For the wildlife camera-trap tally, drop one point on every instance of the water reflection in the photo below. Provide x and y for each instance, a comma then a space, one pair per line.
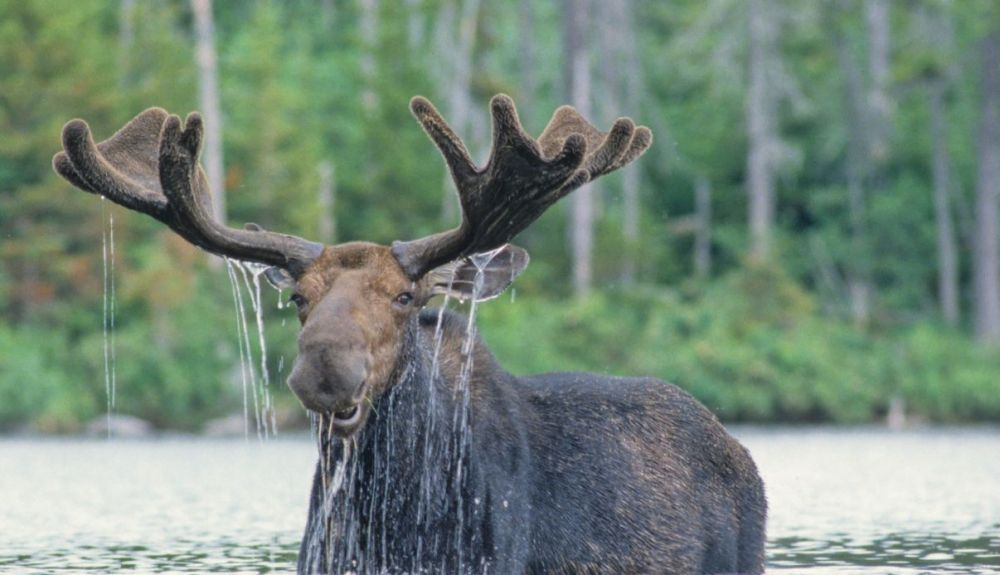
897, 553
842, 502
872, 501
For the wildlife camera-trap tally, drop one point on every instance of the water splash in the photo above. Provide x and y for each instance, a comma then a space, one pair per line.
109, 305
255, 381
352, 528
251, 275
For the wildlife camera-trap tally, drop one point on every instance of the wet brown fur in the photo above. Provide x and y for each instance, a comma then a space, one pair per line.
379, 280
602, 474
373, 279
624, 475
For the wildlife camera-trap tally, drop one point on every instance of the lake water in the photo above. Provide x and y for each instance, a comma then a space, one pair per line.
841, 502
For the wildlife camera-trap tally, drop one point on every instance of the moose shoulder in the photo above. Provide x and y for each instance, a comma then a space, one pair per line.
434, 459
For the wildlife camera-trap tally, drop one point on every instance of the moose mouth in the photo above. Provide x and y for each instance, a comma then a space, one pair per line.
347, 417
346, 422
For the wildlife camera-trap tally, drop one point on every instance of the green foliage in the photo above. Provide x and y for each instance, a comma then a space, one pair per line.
753, 348
35, 384
303, 86
946, 377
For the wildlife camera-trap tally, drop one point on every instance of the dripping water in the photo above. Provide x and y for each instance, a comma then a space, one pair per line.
338, 540
255, 381
462, 426
253, 278
238, 307
109, 305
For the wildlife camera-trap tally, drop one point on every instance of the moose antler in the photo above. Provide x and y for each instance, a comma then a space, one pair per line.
151, 166
522, 178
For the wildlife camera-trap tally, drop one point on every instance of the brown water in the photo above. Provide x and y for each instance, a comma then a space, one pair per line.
842, 502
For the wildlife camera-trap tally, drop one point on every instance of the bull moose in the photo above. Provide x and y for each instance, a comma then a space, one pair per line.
433, 458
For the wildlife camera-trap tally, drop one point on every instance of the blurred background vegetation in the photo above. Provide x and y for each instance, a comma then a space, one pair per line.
812, 237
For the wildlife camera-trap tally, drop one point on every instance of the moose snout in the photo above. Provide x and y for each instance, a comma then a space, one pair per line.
329, 375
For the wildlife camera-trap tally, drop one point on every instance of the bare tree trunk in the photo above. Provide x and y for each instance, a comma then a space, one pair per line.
368, 26
529, 54
856, 272
875, 134
327, 14
208, 95
414, 24
459, 100
126, 36
857, 283
761, 120
880, 106
604, 29
327, 198
575, 14
946, 244
630, 223
459, 97
703, 234
622, 86
986, 249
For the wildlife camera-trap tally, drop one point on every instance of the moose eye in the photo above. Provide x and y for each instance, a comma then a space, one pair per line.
404, 299
298, 300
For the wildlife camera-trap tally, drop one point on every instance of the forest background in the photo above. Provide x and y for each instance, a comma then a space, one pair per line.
812, 238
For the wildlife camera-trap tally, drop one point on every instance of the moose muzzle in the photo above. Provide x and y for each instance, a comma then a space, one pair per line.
331, 369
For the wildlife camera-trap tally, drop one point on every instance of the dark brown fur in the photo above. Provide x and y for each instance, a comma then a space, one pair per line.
556, 473
579, 473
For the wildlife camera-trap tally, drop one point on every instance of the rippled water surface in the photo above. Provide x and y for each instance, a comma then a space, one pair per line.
874, 501
842, 502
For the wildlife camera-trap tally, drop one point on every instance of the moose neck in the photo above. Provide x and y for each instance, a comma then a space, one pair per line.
410, 486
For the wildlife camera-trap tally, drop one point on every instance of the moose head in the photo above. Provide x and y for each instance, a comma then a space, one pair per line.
355, 300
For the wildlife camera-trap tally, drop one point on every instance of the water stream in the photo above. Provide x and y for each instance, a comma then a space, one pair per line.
256, 381
109, 304
360, 475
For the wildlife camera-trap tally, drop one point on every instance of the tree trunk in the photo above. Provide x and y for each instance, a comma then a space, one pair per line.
459, 97
946, 245
875, 134
126, 37
856, 268
703, 235
577, 79
529, 56
879, 104
986, 252
414, 24
368, 26
327, 198
761, 129
630, 177
208, 95
327, 14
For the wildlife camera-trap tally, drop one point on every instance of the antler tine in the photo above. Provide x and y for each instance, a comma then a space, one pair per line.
151, 166
448, 143
92, 167
522, 178
499, 200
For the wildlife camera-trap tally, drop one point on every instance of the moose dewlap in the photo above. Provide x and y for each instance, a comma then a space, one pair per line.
433, 458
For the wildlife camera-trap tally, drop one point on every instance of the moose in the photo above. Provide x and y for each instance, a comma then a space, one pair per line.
433, 458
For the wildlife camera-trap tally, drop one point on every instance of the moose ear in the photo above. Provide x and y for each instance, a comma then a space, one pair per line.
278, 278
479, 277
